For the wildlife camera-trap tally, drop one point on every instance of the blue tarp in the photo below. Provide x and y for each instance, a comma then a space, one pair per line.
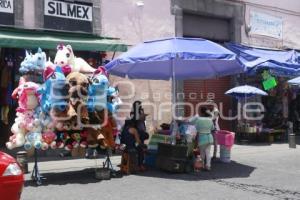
280, 63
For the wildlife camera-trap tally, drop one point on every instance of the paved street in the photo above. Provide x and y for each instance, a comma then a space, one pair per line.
257, 172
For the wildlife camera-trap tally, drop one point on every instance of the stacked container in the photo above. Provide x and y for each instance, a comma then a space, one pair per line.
226, 140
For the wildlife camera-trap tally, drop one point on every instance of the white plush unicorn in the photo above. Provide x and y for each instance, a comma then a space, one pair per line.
65, 57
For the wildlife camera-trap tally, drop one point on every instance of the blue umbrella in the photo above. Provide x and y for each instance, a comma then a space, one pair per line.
294, 81
175, 58
245, 91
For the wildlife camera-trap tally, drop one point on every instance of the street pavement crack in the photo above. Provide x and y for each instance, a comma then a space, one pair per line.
260, 189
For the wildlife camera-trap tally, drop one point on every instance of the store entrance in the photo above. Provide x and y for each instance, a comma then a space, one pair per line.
216, 30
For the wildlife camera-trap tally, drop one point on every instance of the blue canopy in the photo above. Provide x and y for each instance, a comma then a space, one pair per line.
281, 63
294, 81
175, 58
245, 91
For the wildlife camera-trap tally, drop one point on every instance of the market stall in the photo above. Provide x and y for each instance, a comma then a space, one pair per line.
73, 106
271, 69
175, 59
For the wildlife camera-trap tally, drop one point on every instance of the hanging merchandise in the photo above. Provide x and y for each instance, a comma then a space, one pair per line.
269, 81
33, 62
61, 112
65, 58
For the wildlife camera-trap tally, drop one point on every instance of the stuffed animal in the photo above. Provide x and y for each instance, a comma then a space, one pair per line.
27, 95
54, 92
18, 137
33, 139
83, 139
33, 63
65, 57
27, 64
40, 60
78, 93
26, 121
48, 138
97, 93
60, 139
114, 101
72, 142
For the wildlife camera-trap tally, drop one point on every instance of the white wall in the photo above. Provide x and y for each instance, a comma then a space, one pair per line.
133, 24
290, 5
287, 10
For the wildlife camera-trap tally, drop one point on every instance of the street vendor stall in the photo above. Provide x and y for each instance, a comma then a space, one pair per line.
72, 107
175, 59
271, 69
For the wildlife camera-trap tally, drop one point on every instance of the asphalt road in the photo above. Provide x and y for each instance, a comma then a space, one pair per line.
256, 172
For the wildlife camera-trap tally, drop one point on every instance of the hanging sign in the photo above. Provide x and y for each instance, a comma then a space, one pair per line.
7, 16
7, 6
68, 10
70, 16
265, 25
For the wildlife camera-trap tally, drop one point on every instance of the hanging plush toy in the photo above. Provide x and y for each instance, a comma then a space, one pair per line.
65, 58
18, 137
97, 93
78, 93
54, 92
83, 139
27, 96
114, 101
48, 138
33, 139
27, 64
33, 63
72, 142
40, 60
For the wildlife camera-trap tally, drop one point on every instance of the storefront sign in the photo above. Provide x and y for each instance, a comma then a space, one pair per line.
70, 16
265, 25
7, 12
7, 6
68, 10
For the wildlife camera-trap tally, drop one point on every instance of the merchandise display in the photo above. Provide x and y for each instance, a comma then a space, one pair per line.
62, 111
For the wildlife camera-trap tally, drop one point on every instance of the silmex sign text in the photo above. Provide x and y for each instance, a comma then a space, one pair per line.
68, 16
68, 10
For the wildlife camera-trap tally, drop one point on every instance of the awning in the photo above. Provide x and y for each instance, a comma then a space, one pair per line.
279, 62
24, 38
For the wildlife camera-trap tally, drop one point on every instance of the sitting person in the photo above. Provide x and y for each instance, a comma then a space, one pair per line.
131, 138
138, 115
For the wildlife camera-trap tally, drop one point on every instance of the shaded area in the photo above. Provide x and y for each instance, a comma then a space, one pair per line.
219, 171
84, 176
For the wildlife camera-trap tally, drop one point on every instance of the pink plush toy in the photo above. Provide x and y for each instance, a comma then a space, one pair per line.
48, 138
65, 58
28, 100
27, 95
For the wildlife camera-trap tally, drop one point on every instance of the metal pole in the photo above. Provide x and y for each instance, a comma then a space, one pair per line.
291, 136
174, 127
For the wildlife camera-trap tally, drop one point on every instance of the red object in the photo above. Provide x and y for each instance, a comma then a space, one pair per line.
225, 138
101, 70
11, 186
